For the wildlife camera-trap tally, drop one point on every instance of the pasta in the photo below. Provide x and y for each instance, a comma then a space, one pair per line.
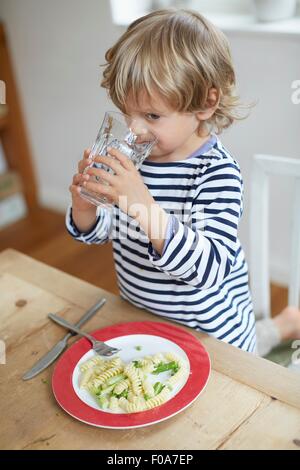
131, 396
133, 376
113, 403
180, 375
91, 363
135, 386
148, 388
157, 358
86, 376
159, 399
170, 356
106, 375
121, 387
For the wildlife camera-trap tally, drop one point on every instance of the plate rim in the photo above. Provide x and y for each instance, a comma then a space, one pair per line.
83, 346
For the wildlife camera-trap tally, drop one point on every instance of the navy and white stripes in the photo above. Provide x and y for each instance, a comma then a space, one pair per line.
201, 279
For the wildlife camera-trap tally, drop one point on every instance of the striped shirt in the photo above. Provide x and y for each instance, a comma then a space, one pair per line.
201, 277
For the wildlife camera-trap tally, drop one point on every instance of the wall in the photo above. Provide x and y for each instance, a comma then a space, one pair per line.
266, 67
57, 47
217, 6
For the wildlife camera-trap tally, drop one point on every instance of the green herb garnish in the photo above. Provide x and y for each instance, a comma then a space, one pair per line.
158, 387
137, 364
123, 394
163, 367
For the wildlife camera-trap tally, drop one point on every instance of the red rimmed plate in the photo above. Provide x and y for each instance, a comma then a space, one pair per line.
136, 339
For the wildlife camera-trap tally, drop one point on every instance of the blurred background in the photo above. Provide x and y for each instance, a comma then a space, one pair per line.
50, 60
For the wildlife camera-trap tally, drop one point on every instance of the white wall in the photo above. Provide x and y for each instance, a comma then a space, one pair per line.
217, 6
266, 67
57, 47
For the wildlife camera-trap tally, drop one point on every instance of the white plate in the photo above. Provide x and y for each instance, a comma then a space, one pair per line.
150, 345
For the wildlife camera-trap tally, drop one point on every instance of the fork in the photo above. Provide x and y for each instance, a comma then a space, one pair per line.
99, 347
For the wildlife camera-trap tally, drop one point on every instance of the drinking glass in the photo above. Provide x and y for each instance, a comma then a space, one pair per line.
128, 136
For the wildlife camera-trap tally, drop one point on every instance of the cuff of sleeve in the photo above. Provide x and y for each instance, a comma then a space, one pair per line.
173, 233
170, 230
72, 227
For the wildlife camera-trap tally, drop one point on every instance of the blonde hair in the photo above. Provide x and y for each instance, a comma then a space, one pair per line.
179, 55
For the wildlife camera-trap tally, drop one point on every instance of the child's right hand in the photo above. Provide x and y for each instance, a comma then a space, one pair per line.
78, 203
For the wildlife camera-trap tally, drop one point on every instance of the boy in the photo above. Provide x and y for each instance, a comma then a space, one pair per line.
180, 257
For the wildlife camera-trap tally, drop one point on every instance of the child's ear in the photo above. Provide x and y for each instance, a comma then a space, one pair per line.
212, 103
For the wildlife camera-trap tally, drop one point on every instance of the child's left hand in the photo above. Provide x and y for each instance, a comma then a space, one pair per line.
126, 187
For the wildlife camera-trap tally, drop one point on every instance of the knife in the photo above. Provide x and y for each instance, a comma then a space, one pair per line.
56, 351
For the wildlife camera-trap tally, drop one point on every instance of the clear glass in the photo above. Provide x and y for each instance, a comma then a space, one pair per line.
120, 132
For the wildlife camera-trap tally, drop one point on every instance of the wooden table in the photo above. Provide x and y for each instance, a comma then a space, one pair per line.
249, 403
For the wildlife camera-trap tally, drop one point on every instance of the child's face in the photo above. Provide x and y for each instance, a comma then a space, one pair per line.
176, 132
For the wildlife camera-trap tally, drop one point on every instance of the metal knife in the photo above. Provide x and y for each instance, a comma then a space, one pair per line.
53, 354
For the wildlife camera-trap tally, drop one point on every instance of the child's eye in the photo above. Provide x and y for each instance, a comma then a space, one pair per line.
152, 117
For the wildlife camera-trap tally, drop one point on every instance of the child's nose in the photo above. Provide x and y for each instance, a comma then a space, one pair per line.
138, 127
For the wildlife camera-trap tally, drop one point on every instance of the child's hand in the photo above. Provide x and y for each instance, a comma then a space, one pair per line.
126, 187
78, 203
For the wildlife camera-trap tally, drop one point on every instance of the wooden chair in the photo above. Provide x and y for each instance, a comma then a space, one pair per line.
263, 167
12, 129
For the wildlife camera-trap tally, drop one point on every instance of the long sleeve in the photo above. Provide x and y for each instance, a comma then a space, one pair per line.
98, 234
202, 250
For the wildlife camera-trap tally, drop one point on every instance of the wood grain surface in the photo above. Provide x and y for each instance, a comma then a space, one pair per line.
249, 403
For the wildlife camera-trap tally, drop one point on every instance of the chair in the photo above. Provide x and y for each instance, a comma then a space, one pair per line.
264, 166
13, 130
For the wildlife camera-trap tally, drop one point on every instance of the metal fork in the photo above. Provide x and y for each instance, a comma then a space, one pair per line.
99, 347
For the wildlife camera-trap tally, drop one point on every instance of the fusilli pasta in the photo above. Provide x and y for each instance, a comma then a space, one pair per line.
135, 386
